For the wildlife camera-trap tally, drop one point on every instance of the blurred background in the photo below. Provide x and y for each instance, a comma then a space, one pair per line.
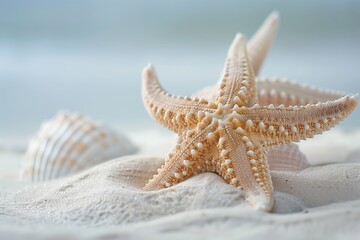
87, 56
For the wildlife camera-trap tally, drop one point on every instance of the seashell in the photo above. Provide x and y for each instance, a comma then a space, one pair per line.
287, 158
69, 143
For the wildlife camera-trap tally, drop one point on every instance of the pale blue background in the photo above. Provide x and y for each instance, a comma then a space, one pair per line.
87, 56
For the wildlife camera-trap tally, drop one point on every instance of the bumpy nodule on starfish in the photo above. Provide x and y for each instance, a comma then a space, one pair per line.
230, 134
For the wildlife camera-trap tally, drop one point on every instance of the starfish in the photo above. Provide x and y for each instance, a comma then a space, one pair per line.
231, 133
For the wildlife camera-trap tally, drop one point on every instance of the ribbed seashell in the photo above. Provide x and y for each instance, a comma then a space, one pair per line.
287, 158
69, 143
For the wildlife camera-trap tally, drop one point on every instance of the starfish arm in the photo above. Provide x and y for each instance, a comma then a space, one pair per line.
279, 91
260, 43
244, 166
277, 126
172, 112
238, 82
187, 159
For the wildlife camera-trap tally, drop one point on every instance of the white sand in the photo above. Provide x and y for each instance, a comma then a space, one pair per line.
107, 202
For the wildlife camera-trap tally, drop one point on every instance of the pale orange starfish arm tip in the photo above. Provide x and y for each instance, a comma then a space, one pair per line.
260, 43
171, 111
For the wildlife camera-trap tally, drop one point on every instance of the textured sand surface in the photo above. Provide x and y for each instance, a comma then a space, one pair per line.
107, 202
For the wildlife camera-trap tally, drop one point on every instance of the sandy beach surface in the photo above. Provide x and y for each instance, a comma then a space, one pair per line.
107, 201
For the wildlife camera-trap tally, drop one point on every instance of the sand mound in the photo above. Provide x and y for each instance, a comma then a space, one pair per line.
108, 198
